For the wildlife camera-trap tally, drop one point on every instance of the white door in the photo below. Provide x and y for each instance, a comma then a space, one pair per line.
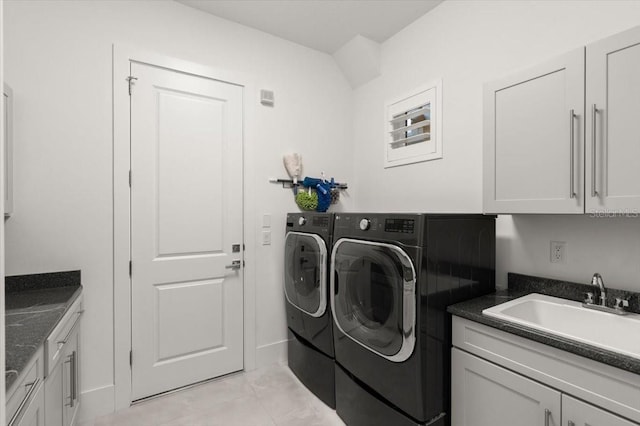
186, 217
483, 394
613, 99
533, 143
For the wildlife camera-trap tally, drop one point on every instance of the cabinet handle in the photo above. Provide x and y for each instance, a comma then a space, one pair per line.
72, 379
70, 397
75, 376
594, 113
547, 417
20, 411
572, 116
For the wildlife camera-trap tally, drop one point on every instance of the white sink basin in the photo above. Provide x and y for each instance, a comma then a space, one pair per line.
566, 318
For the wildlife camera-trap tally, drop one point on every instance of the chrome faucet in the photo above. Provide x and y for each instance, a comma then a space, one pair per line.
597, 281
589, 301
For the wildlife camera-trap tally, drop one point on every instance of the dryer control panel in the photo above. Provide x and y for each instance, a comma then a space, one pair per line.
405, 226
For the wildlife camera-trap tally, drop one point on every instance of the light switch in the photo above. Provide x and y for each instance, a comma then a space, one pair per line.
266, 221
266, 238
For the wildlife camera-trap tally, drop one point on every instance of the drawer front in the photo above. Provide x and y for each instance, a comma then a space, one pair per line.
24, 388
54, 346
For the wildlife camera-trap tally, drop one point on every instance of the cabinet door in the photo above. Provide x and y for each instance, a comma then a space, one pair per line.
483, 394
71, 378
578, 413
34, 413
54, 397
533, 142
613, 124
61, 385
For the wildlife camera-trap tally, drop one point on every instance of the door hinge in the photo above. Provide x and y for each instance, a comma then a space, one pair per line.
130, 358
130, 80
130, 269
129, 178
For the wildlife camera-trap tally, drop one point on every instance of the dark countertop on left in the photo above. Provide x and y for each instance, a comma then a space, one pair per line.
34, 304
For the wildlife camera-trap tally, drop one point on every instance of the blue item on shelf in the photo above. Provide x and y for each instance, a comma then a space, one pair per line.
323, 188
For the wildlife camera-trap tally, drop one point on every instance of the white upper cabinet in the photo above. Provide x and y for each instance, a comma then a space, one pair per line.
564, 136
533, 141
613, 124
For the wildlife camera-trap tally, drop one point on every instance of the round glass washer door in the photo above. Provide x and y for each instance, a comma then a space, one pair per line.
373, 296
305, 266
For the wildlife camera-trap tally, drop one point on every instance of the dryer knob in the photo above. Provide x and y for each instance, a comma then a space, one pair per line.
301, 221
365, 224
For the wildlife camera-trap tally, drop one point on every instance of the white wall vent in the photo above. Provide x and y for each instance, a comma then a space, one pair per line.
414, 127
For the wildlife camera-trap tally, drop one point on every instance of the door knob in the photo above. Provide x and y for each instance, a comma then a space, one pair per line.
235, 265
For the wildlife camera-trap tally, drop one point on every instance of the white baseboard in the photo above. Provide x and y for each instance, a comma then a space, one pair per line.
271, 354
96, 403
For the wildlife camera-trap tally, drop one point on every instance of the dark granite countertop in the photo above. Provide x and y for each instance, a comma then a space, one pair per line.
34, 304
521, 285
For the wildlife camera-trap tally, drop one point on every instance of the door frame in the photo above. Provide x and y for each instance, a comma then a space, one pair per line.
122, 55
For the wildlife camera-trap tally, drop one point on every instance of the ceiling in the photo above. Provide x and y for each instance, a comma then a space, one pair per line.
324, 25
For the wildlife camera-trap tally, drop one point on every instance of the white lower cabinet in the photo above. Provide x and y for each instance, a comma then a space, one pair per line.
46, 393
34, 413
25, 398
578, 413
484, 394
61, 384
498, 379
53, 395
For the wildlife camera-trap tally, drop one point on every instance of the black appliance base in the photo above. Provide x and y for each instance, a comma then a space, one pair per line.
314, 369
357, 407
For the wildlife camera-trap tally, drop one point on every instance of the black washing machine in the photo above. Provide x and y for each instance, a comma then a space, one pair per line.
306, 288
392, 278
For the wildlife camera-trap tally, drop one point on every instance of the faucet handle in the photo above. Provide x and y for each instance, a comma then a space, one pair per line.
621, 303
588, 298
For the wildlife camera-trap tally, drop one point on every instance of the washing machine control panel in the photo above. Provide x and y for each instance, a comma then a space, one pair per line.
321, 221
302, 221
365, 224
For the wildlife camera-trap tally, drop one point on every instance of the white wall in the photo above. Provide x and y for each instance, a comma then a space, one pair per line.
58, 60
610, 246
467, 43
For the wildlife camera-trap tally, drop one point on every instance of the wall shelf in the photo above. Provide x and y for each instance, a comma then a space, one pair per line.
288, 183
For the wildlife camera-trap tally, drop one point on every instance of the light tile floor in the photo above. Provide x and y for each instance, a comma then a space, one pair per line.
270, 396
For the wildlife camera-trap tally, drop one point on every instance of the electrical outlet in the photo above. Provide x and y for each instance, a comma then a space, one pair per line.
558, 251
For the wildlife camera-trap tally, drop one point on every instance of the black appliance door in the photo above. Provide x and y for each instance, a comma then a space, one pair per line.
373, 296
305, 266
